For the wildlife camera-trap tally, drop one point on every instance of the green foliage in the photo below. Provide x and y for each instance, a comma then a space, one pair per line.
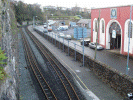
0, 28
58, 12
2, 57
14, 26
2, 73
25, 12
21, 98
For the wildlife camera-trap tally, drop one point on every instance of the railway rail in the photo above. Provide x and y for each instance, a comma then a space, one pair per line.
57, 67
49, 94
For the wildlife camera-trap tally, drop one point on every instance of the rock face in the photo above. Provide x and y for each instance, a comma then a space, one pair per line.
8, 43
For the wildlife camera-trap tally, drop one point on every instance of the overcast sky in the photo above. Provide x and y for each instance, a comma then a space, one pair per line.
81, 3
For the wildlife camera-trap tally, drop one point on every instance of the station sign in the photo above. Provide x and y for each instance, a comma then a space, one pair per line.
113, 34
113, 13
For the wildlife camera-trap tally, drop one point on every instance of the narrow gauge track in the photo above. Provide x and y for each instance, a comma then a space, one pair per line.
57, 68
30, 57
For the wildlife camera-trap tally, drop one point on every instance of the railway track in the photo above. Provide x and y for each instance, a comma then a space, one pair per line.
49, 94
51, 62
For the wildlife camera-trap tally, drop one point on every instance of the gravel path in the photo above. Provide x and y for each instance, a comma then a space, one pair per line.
26, 87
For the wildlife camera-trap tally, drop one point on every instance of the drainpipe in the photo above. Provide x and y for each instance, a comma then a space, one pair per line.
97, 34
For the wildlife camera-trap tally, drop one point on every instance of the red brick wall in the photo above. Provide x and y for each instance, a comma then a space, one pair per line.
123, 13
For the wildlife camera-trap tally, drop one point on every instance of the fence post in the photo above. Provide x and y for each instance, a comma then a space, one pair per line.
52, 37
55, 39
75, 50
63, 44
59, 43
68, 47
47, 36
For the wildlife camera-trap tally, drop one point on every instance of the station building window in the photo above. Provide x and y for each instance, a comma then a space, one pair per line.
130, 32
96, 26
103, 28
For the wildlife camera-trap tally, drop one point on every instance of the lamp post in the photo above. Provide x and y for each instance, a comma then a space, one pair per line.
34, 21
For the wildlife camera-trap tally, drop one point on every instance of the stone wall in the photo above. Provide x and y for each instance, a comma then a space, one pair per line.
8, 86
120, 82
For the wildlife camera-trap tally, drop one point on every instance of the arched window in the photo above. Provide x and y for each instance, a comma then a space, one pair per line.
95, 25
102, 26
130, 32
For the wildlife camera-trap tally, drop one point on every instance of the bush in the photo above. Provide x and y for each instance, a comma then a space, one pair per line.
2, 57
2, 73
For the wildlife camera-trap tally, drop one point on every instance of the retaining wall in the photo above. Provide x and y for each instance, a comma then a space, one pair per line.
120, 82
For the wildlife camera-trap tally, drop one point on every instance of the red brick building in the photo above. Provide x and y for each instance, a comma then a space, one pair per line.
113, 28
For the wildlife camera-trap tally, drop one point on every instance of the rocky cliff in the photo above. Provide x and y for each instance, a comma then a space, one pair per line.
9, 43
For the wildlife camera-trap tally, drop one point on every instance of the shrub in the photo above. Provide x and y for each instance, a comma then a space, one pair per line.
2, 57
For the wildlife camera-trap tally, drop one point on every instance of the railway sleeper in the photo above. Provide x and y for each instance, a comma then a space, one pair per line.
59, 82
48, 93
50, 97
62, 78
46, 89
40, 77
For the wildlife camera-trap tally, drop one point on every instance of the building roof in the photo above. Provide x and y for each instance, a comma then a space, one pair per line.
111, 7
84, 21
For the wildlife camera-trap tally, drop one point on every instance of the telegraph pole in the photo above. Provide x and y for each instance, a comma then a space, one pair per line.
34, 21
47, 22
129, 40
97, 34
83, 43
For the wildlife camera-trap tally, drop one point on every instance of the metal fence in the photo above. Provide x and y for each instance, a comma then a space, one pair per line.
66, 42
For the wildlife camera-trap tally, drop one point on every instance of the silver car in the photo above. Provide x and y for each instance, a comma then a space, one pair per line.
61, 35
93, 45
68, 37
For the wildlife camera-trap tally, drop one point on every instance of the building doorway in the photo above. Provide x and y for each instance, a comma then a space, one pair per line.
115, 42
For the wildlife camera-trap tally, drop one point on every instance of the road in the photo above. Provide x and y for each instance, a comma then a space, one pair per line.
116, 61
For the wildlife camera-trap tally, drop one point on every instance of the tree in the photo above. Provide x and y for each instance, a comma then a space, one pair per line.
25, 12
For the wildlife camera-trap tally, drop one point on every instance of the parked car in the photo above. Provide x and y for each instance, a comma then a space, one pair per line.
45, 26
60, 29
93, 45
68, 37
86, 42
61, 35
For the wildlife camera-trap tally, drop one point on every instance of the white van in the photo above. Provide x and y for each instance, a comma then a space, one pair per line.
62, 28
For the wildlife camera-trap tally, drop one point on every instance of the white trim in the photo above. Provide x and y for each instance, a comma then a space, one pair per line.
94, 33
102, 35
108, 35
126, 37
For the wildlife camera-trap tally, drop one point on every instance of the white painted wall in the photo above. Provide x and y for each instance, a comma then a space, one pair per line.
102, 35
94, 33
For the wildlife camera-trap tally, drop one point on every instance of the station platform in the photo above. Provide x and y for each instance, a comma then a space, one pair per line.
88, 82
